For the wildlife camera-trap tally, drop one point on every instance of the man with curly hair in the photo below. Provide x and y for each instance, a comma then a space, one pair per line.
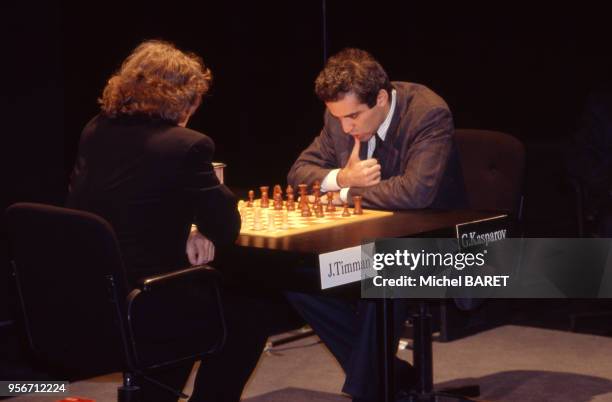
391, 143
140, 168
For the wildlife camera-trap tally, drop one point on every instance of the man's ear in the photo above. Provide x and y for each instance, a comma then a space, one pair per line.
382, 98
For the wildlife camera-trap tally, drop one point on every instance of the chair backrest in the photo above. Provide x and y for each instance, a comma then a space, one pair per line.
63, 260
493, 165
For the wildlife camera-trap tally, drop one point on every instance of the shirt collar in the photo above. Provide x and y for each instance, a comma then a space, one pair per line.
384, 127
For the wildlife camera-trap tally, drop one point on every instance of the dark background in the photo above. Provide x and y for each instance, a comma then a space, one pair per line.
523, 71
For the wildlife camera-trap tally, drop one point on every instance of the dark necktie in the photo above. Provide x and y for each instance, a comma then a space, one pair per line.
378, 150
363, 150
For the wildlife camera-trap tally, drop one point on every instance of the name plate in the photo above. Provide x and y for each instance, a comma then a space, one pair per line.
482, 232
344, 266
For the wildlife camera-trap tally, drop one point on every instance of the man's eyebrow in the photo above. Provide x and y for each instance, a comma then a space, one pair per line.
354, 114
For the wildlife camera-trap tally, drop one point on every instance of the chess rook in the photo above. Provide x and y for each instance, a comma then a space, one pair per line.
357, 205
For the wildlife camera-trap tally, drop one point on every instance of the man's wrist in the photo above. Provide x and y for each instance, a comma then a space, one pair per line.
340, 178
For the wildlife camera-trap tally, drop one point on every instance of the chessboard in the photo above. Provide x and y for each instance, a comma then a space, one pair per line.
281, 223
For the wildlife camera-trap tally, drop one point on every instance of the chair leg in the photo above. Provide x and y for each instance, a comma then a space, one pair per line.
305, 332
422, 351
423, 363
128, 392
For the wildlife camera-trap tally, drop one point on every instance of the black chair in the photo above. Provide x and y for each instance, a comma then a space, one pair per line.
493, 165
81, 316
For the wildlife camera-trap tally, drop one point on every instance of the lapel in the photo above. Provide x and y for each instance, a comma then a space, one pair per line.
388, 155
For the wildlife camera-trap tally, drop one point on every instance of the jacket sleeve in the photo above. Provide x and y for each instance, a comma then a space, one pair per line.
214, 205
426, 159
316, 161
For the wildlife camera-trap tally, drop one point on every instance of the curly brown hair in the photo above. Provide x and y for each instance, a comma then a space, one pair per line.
352, 70
156, 80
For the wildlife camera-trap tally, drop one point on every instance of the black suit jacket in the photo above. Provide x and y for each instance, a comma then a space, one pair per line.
151, 180
419, 159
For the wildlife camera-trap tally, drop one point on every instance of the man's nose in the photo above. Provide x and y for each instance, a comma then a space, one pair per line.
347, 126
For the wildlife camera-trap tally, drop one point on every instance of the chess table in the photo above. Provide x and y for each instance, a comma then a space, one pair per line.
291, 261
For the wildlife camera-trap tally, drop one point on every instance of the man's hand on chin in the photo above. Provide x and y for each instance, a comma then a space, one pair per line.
358, 173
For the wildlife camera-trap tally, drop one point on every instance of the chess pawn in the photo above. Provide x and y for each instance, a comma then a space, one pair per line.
265, 202
345, 211
357, 205
330, 202
289, 190
278, 201
316, 189
251, 198
290, 202
319, 211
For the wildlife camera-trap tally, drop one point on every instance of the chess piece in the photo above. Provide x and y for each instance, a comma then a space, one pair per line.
290, 202
345, 211
317, 200
278, 201
330, 202
290, 198
265, 202
316, 189
306, 210
357, 205
251, 198
303, 188
319, 211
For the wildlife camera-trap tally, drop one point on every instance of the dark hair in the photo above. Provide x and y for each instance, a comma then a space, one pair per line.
352, 70
156, 80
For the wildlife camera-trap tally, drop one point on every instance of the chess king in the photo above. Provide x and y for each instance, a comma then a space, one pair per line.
391, 143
